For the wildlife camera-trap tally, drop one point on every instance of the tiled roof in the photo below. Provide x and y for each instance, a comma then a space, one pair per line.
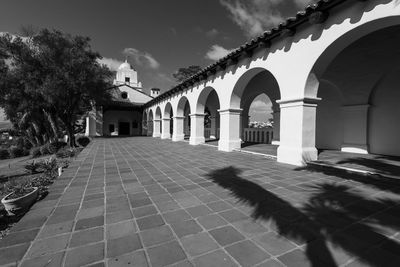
315, 13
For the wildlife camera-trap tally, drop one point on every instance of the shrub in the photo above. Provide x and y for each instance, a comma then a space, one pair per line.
55, 146
49, 166
67, 152
44, 150
32, 167
35, 152
18, 187
27, 144
4, 154
83, 141
15, 152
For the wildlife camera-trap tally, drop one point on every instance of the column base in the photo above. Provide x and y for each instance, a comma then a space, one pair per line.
176, 138
275, 142
229, 145
166, 136
156, 135
213, 137
353, 148
296, 156
197, 140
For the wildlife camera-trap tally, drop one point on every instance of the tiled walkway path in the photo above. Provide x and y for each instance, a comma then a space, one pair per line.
151, 202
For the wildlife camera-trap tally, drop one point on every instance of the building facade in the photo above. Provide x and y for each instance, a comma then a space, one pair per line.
332, 74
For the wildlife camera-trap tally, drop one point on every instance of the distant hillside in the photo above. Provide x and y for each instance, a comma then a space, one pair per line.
5, 125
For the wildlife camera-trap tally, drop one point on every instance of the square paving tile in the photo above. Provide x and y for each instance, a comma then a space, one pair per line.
214, 259
198, 244
177, 215
166, 254
226, 235
122, 245
211, 221
150, 222
198, 211
84, 237
13, 254
247, 253
134, 259
157, 235
183, 228
84, 255
48, 245
274, 244
52, 260
89, 223
144, 211
18, 238
120, 229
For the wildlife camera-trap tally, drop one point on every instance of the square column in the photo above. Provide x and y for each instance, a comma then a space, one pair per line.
297, 135
165, 133
276, 127
178, 134
355, 129
230, 126
94, 117
197, 129
156, 128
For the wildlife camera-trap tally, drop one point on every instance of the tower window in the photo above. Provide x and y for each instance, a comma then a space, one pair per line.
127, 79
124, 95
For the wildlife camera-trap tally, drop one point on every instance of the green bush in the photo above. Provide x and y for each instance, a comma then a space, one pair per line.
15, 152
67, 152
83, 141
44, 150
4, 154
35, 152
55, 146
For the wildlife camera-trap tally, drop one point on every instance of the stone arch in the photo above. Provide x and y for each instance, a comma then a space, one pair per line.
202, 99
338, 45
182, 103
251, 84
362, 64
168, 113
158, 113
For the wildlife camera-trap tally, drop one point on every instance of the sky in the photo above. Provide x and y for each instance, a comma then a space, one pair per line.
157, 36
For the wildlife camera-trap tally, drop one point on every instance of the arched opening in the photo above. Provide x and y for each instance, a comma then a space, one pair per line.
150, 123
183, 123
358, 83
205, 120
167, 123
259, 122
256, 93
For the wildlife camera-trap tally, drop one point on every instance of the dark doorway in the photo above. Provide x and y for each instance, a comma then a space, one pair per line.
123, 128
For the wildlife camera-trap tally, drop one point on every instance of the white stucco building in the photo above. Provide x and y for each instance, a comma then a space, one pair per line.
123, 116
332, 74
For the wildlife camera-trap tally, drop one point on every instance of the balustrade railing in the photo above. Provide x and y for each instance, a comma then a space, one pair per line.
258, 135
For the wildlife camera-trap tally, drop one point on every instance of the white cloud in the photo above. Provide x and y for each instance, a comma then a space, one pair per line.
212, 33
254, 16
111, 63
216, 52
140, 58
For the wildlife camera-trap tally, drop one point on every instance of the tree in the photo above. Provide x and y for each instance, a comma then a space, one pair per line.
52, 81
184, 73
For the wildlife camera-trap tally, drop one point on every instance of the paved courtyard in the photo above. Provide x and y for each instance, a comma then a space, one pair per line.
149, 202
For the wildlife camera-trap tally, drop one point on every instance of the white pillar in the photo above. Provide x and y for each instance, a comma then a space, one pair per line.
149, 128
178, 133
156, 127
196, 129
90, 126
355, 122
276, 127
229, 129
297, 139
165, 132
99, 121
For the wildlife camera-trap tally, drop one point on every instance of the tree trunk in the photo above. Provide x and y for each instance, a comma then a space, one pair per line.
71, 136
52, 124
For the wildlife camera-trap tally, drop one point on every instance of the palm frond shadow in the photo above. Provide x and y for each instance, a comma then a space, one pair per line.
334, 214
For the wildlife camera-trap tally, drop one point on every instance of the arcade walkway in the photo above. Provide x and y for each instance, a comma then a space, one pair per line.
148, 202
